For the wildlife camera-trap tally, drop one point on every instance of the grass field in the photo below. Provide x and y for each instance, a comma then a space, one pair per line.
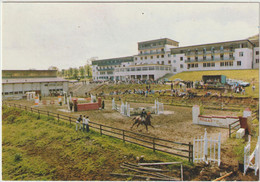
45, 149
245, 75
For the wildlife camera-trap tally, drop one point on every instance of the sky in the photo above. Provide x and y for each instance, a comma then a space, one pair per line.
40, 35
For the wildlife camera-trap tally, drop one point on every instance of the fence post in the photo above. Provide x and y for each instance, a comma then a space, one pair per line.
39, 113
31, 110
229, 132
25, 108
101, 129
58, 117
124, 136
205, 152
190, 152
20, 106
70, 120
153, 144
48, 113
219, 146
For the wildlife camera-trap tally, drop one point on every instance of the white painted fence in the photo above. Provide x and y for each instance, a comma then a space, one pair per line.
207, 150
248, 158
125, 109
93, 98
158, 107
114, 105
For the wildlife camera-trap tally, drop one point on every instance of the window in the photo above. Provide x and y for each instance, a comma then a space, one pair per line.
240, 54
204, 64
212, 65
192, 65
181, 65
151, 57
158, 56
169, 61
256, 52
256, 60
162, 50
169, 55
174, 69
212, 57
162, 56
222, 63
208, 64
141, 58
231, 55
204, 58
204, 50
188, 59
158, 62
196, 58
141, 52
135, 58
196, 65
221, 56
174, 61
188, 66
163, 62
181, 58
238, 63
145, 57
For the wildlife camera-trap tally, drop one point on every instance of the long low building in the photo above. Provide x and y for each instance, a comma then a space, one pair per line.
15, 83
159, 57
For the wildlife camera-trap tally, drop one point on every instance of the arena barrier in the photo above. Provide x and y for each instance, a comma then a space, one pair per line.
207, 150
248, 159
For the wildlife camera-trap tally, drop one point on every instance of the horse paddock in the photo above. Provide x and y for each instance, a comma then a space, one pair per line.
175, 124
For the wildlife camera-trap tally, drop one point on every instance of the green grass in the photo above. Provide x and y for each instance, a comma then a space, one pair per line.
245, 75
45, 149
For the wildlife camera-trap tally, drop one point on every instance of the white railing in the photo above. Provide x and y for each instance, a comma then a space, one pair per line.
158, 107
249, 158
207, 150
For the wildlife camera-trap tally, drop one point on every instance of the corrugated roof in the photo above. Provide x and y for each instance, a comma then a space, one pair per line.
33, 80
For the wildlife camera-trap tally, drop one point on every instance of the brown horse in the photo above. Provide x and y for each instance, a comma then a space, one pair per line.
146, 122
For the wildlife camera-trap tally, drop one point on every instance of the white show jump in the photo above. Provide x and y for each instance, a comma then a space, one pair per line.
207, 150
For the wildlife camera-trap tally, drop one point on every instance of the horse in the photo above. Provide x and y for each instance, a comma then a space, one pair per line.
146, 122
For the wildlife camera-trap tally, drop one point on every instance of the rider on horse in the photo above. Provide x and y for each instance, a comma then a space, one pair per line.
143, 115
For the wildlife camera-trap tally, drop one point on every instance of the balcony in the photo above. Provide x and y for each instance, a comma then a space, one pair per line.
210, 60
106, 69
150, 53
209, 52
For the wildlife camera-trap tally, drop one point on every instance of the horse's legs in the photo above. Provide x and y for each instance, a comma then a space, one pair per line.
146, 127
134, 124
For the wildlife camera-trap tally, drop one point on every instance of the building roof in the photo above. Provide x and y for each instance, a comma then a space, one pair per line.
113, 61
32, 80
155, 40
209, 44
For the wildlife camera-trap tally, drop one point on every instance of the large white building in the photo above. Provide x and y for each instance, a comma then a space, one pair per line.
159, 57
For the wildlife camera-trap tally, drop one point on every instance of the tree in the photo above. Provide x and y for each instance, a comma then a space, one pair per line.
75, 73
70, 72
81, 71
88, 67
53, 68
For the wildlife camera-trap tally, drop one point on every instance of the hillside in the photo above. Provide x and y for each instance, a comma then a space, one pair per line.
45, 149
245, 75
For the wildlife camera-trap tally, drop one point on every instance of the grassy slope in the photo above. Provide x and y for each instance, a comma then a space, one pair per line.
245, 75
44, 149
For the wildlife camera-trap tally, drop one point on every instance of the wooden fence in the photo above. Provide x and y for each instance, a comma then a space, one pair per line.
233, 126
184, 150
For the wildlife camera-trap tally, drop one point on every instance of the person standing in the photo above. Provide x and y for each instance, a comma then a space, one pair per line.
78, 124
87, 123
84, 123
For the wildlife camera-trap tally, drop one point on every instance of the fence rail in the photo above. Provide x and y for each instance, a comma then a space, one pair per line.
233, 126
184, 150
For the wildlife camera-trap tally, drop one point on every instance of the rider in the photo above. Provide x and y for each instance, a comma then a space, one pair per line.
143, 115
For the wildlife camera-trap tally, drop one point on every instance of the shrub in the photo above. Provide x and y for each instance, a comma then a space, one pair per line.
11, 119
17, 157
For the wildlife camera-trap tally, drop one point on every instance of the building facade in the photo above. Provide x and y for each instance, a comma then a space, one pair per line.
159, 57
15, 83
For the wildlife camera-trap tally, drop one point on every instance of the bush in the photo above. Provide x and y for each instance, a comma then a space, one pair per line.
11, 119
17, 157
